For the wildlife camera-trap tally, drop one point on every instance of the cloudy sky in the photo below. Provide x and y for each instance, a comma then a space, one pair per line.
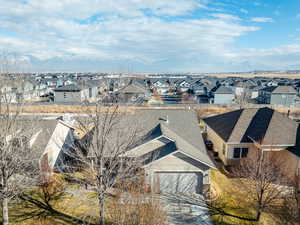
151, 35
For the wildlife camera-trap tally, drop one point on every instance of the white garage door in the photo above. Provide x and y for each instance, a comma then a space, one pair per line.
180, 182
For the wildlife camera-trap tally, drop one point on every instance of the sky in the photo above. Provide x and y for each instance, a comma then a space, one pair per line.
150, 35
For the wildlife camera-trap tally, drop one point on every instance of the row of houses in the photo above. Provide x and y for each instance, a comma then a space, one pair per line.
168, 90
200, 90
178, 143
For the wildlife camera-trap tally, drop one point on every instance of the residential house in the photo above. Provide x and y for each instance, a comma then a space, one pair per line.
75, 93
183, 85
264, 94
223, 95
284, 95
133, 93
175, 144
161, 86
235, 134
172, 149
243, 87
254, 92
278, 95
58, 138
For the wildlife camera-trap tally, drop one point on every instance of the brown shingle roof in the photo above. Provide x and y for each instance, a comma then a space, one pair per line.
264, 125
242, 125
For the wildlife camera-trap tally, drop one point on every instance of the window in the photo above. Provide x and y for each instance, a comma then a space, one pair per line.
244, 152
240, 153
90, 92
236, 153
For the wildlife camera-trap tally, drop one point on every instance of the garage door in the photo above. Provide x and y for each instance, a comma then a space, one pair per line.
180, 182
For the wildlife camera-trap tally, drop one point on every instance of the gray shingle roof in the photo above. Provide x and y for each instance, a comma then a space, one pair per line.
179, 126
71, 87
133, 89
223, 90
284, 90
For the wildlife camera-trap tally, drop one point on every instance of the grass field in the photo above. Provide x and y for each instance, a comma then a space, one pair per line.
234, 201
65, 202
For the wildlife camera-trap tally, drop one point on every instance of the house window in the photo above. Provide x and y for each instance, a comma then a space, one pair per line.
224, 149
240, 153
244, 152
236, 153
90, 92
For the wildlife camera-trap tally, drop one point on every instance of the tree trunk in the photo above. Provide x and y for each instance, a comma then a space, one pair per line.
258, 215
5, 211
101, 209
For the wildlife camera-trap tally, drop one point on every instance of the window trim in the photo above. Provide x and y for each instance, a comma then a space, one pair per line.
240, 152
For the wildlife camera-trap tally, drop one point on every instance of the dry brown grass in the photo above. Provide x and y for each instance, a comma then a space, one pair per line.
270, 75
201, 110
135, 206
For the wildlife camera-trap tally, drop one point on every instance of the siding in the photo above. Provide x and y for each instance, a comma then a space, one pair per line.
223, 98
232, 161
289, 163
283, 99
217, 142
67, 97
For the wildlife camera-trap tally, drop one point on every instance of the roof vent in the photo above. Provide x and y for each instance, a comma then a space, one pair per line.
166, 120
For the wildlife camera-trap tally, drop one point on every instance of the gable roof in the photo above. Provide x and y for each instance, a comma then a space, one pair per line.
269, 89
166, 131
224, 124
263, 125
71, 87
223, 90
60, 139
284, 90
133, 88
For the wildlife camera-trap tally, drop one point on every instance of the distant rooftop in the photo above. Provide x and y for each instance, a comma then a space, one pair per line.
223, 90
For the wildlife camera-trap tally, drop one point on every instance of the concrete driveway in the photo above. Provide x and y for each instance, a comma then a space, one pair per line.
182, 214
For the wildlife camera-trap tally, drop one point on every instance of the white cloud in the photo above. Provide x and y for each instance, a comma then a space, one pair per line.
107, 32
225, 16
262, 20
282, 57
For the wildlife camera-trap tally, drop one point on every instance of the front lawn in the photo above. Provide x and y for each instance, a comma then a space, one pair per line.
232, 200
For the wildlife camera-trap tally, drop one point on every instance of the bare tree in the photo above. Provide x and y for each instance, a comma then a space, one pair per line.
18, 164
135, 206
289, 211
259, 184
260, 176
108, 136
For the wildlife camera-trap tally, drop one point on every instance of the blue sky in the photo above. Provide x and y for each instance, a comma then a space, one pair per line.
151, 35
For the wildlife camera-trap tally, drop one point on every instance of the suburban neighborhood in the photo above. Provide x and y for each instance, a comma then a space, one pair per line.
155, 89
149, 112
181, 156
